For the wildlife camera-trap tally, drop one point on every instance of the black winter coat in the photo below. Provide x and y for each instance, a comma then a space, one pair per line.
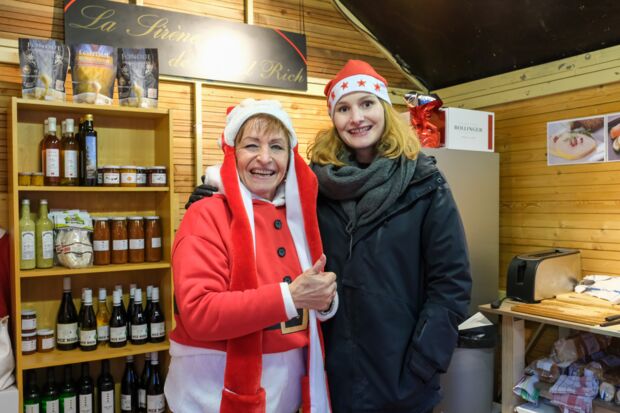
404, 286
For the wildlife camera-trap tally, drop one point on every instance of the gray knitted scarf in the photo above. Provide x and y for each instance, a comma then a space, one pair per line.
365, 193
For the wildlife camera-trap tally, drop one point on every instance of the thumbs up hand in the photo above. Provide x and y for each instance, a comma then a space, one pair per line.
314, 289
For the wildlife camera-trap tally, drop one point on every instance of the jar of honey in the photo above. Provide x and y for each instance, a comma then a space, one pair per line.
152, 235
128, 175
135, 228
36, 179
101, 240
23, 178
118, 232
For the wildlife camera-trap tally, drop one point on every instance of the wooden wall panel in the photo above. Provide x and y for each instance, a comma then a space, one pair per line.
574, 206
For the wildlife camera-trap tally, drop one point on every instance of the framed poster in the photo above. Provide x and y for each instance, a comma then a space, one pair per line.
576, 141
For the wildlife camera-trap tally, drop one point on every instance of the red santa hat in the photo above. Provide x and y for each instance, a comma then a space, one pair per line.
242, 388
355, 76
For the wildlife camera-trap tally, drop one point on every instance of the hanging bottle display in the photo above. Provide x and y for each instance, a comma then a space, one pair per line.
44, 238
27, 243
66, 320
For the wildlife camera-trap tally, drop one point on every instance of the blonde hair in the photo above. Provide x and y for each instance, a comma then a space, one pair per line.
265, 124
398, 140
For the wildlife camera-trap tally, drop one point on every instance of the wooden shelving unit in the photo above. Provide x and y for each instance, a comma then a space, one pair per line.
126, 136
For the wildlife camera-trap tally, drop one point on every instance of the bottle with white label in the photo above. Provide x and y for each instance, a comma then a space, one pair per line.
155, 401
139, 325
68, 395
88, 323
129, 388
50, 155
86, 391
103, 317
144, 383
66, 320
50, 401
157, 323
105, 389
27, 229
44, 238
32, 401
69, 155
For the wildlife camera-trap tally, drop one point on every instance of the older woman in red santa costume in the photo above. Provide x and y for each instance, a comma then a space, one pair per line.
244, 261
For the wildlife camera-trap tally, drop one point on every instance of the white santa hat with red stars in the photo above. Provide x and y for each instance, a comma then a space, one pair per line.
243, 392
355, 76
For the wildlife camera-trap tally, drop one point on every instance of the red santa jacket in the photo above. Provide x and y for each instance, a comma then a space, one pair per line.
208, 313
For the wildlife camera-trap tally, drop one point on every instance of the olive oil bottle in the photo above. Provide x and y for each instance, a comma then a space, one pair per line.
27, 229
44, 237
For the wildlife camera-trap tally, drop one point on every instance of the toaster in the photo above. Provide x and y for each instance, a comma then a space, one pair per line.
543, 274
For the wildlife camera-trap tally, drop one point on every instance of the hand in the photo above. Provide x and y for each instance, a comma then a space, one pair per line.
200, 192
314, 289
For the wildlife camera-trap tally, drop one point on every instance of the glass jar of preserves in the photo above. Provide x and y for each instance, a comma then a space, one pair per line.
101, 241
29, 343
128, 175
141, 176
36, 179
118, 230
135, 228
157, 176
152, 235
99, 176
29, 320
45, 340
111, 175
23, 178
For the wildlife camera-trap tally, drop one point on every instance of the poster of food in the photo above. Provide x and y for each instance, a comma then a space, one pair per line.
612, 143
576, 141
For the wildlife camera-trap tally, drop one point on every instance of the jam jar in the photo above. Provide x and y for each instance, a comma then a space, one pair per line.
135, 228
128, 175
157, 176
118, 230
36, 179
101, 240
111, 175
23, 178
29, 343
29, 320
45, 340
152, 235
140, 176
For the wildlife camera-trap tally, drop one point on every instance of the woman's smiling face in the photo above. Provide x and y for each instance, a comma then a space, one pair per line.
359, 119
262, 155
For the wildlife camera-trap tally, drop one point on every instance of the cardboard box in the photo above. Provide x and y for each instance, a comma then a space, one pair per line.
9, 399
470, 130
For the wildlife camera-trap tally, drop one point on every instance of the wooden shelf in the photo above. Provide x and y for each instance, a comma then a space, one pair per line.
113, 110
62, 271
58, 358
91, 189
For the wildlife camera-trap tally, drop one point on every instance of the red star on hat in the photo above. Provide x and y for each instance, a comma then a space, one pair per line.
361, 82
345, 85
333, 95
377, 87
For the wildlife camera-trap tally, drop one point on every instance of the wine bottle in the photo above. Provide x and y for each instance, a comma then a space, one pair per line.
69, 156
105, 389
44, 238
50, 155
132, 291
139, 328
88, 153
27, 229
103, 318
118, 322
88, 324
129, 388
123, 308
86, 392
66, 320
50, 401
32, 398
155, 401
68, 396
81, 311
148, 307
144, 382
157, 326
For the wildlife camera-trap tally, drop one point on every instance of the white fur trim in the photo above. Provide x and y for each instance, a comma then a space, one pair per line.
356, 83
250, 107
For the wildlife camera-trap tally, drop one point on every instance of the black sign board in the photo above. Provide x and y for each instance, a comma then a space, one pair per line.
193, 46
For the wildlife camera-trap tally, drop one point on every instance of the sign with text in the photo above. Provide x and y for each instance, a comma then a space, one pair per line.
193, 46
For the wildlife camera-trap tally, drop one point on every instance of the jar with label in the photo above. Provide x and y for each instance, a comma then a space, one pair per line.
29, 343
23, 178
29, 320
157, 176
152, 235
128, 175
118, 229
45, 340
111, 175
140, 176
36, 179
135, 228
101, 240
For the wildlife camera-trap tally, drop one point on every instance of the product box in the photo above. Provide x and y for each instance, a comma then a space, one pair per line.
470, 130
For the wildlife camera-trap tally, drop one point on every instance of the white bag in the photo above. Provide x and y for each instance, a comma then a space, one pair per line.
7, 362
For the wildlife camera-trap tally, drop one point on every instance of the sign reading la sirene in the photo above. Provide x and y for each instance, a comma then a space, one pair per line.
193, 46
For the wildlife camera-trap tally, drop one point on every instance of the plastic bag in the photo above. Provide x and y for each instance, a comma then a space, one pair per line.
7, 362
568, 350
427, 120
138, 77
73, 248
43, 65
93, 70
